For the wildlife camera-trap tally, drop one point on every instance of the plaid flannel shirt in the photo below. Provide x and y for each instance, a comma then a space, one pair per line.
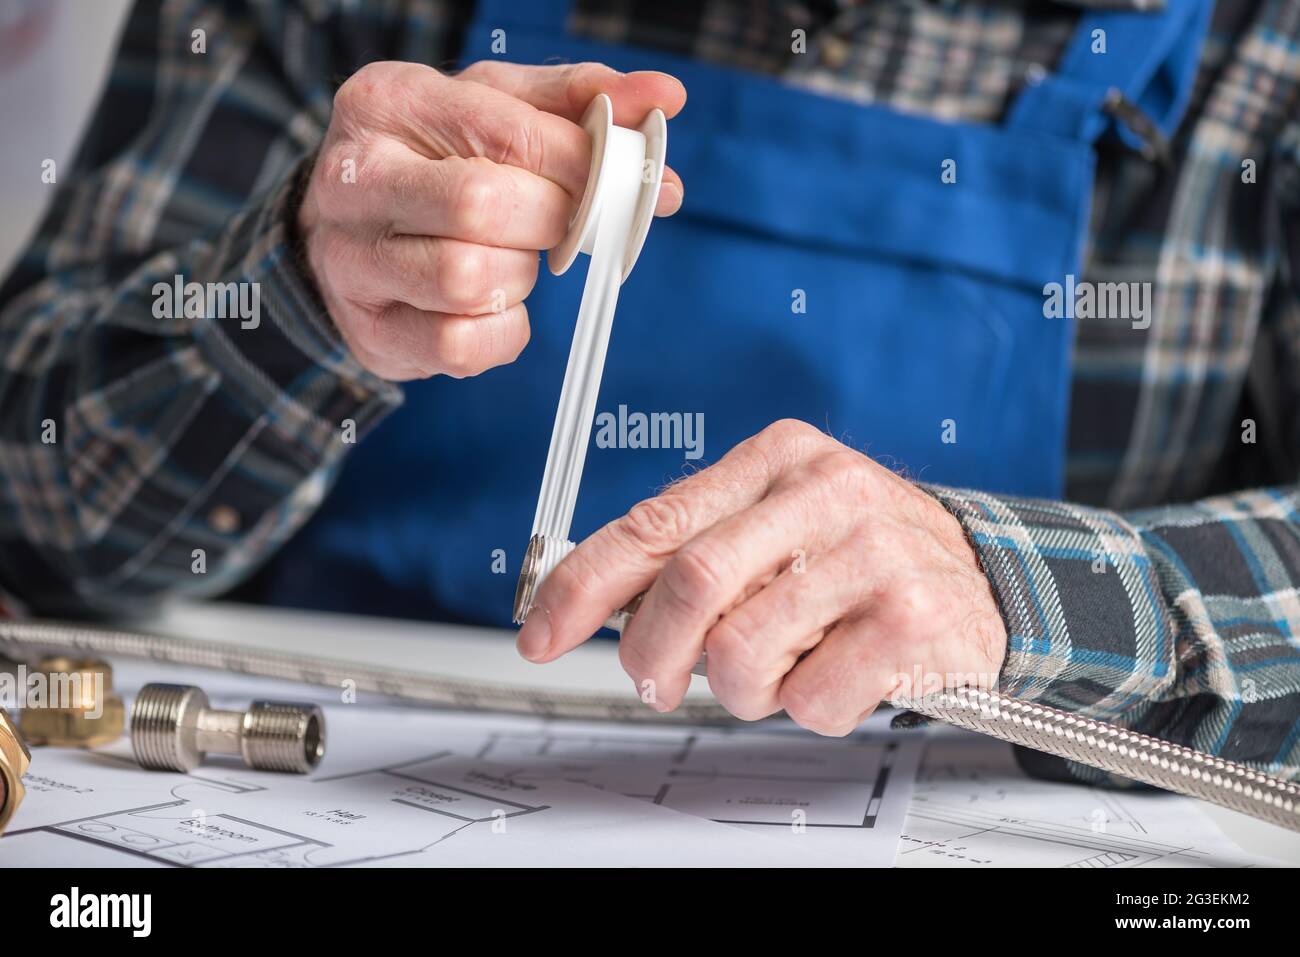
1160, 595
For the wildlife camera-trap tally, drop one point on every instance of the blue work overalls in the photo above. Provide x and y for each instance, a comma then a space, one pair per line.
922, 337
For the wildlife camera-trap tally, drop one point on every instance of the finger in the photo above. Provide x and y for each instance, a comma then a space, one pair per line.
755, 644
472, 199
703, 579
567, 90
444, 117
840, 682
621, 560
671, 194
419, 344
448, 275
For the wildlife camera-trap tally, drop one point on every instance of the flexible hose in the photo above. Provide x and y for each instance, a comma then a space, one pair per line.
1118, 750
18, 638
1087, 741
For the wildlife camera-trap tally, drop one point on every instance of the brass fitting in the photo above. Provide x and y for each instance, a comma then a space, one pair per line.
83, 711
14, 758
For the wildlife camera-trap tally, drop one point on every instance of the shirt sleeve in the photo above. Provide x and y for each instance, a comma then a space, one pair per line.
1177, 622
1180, 621
150, 447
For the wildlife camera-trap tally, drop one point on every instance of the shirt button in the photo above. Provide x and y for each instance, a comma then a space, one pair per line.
224, 520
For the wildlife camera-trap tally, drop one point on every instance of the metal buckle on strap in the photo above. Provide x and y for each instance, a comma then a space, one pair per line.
1155, 146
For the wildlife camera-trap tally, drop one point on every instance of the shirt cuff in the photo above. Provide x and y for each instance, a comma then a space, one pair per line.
290, 298
287, 368
1088, 629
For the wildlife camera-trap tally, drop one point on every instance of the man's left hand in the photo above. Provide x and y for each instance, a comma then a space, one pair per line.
815, 580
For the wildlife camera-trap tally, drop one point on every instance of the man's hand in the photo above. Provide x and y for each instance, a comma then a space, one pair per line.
432, 194
815, 580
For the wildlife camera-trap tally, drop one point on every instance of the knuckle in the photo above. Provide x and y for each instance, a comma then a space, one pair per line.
631, 659
334, 253
728, 644
564, 588
362, 87
781, 441
327, 183
580, 75
747, 711
787, 430
522, 330
456, 348
745, 702
656, 524
742, 676
369, 330
695, 579
841, 469
474, 208
525, 147
841, 730
460, 278
406, 187
807, 709
732, 656
480, 71
907, 602
580, 78
524, 277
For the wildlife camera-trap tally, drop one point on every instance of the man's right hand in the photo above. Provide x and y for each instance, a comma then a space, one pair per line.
432, 194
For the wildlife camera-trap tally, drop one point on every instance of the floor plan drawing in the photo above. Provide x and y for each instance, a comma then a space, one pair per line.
972, 806
450, 806
411, 786
834, 792
184, 831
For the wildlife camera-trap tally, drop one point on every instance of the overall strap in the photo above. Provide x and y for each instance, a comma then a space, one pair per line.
1139, 67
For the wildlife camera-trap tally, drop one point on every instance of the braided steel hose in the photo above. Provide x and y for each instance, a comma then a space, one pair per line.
19, 638
1087, 741
1118, 750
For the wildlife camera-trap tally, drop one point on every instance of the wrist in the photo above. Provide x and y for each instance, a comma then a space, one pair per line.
980, 595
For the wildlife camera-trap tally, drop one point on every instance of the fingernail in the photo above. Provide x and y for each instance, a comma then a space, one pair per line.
671, 190
535, 636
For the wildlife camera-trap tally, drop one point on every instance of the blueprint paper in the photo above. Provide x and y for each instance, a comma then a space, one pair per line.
844, 796
442, 809
635, 784
413, 787
973, 806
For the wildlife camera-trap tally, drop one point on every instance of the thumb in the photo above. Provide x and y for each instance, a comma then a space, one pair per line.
567, 89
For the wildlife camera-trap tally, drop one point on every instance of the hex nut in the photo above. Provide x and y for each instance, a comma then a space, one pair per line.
14, 759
